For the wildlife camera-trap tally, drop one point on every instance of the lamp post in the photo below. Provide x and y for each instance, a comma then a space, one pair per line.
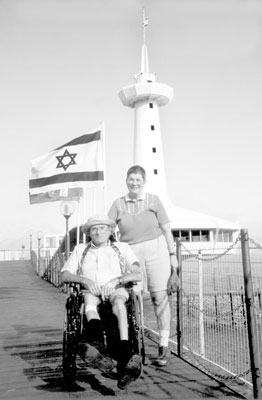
39, 237
31, 247
23, 252
67, 209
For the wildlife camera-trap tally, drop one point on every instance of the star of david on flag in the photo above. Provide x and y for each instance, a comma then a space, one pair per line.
76, 164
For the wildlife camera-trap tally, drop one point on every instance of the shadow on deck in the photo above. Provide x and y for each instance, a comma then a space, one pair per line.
32, 313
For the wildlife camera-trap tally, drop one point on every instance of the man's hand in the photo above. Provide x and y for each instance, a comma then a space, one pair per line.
173, 283
92, 286
108, 288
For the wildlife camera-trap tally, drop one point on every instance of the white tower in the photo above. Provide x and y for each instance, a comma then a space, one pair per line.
146, 96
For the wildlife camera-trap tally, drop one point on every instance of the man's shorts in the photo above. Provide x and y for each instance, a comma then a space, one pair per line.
119, 292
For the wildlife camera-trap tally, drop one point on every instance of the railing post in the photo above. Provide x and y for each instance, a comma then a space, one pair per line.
179, 301
38, 256
201, 306
251, 319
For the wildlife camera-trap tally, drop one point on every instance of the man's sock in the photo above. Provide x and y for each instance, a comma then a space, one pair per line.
94, 331
125, 351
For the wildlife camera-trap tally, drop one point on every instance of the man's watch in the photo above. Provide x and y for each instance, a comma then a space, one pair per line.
172, 254
121, 280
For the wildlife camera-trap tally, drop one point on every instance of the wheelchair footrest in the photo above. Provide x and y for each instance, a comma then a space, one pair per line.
95, 356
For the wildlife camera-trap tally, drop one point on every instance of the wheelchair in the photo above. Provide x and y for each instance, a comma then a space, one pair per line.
75, 329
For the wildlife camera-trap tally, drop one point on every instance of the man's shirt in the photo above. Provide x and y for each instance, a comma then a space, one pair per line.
101, 264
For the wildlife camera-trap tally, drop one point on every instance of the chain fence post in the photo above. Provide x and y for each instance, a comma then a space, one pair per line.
201, 305
179, 301
251, 319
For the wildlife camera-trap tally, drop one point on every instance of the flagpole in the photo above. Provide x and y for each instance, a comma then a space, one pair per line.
104, 163
94, 200
84, 212
78, 222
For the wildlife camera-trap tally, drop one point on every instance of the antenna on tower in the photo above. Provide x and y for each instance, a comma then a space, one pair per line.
144, 58
144, 25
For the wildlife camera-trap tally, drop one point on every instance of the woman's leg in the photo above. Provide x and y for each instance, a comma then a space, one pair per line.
161, 305
158, 272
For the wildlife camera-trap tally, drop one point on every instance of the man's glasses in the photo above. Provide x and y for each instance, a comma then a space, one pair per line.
99, 229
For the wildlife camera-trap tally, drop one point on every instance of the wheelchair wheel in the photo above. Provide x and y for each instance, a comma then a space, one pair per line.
140, 320
71, 339
136, 330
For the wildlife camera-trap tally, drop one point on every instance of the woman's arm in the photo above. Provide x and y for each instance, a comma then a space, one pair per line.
173, 281
170, 245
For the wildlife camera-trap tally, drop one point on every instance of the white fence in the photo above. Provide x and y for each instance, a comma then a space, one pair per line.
214, 316
9, 255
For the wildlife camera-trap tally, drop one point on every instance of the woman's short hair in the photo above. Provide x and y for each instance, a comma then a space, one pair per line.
136, 169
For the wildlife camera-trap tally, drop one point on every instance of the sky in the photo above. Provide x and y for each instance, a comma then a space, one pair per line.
63, 63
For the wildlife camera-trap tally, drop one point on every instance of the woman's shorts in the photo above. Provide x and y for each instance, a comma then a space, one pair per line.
154, 261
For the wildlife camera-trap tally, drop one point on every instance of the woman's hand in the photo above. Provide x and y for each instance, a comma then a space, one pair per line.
173, 283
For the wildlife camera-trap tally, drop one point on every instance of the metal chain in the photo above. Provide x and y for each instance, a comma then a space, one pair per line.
255, 244
213, 257
212, 372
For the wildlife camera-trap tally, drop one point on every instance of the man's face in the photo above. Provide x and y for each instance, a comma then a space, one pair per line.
100, 234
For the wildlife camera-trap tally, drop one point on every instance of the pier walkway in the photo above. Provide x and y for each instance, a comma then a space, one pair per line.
32, 313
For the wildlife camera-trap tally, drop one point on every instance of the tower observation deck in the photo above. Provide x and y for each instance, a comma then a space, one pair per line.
146, 89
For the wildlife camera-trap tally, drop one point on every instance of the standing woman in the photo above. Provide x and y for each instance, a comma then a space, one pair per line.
143, 223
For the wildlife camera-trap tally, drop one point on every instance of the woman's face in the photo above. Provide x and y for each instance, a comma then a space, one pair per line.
135, 184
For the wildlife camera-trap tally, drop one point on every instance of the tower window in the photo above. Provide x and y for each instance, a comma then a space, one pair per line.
153, 149
152, 127
155, 171
150, 105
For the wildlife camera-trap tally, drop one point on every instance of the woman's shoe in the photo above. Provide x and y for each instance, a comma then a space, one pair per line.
163, 356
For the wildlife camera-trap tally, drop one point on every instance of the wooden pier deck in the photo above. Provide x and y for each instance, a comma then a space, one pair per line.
32, 313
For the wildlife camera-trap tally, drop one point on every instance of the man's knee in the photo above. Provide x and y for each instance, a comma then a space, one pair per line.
119, 303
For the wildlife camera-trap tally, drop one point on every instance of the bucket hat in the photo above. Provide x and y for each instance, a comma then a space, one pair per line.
98, 220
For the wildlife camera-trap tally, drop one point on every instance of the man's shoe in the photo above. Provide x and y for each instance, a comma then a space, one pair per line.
163, 356
132, 371
95, 356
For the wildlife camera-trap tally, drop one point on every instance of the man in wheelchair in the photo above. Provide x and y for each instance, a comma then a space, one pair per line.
103, 267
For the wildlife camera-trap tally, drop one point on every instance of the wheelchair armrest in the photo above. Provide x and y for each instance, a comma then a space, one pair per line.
74, 288
129, 285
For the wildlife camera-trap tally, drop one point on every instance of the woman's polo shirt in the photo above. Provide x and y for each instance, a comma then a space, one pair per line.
139, 220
